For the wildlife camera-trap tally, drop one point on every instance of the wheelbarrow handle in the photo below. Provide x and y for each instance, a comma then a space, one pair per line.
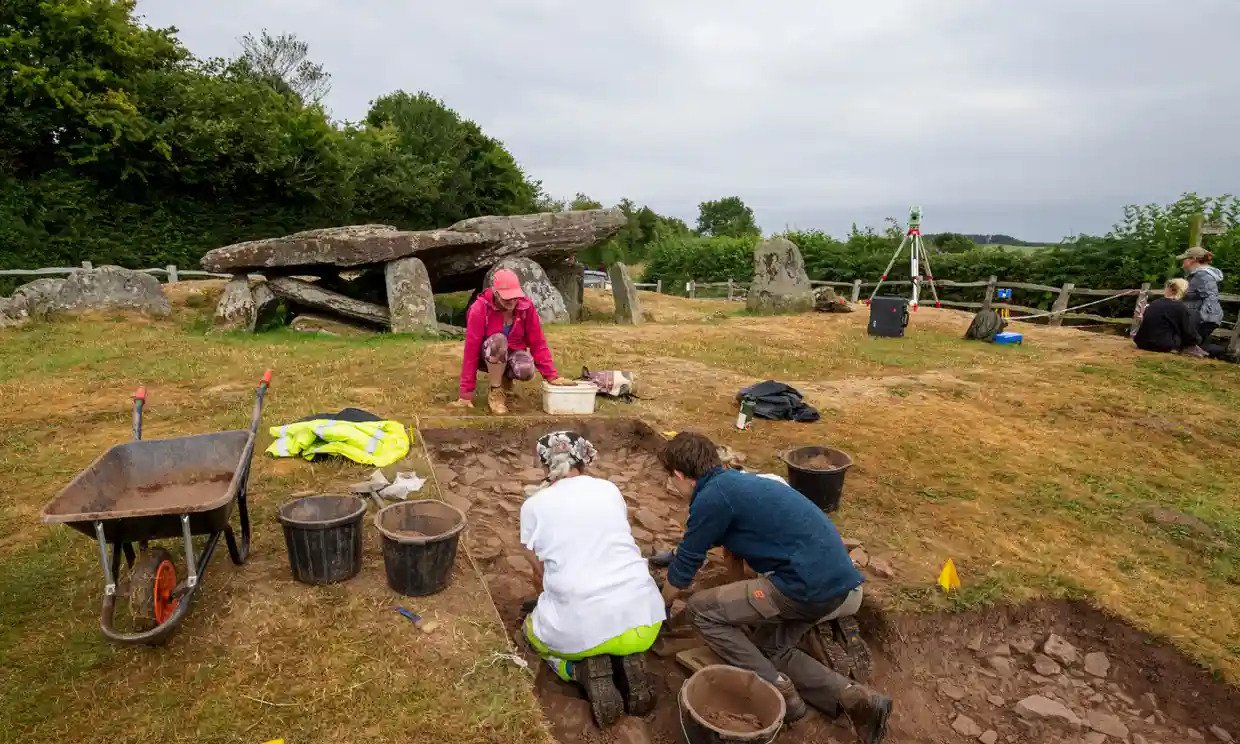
263, 384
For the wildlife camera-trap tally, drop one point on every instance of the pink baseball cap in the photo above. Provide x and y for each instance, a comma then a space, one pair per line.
507, 285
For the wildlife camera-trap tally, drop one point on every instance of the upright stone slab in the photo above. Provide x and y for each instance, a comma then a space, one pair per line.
628, 306
536, 285
569, 279
780, 284
236, 310
411, 301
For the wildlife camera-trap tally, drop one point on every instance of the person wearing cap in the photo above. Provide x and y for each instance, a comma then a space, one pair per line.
598, 610
504, 336
1201, 299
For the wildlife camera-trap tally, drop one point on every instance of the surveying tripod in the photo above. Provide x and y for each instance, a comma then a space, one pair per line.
916, 260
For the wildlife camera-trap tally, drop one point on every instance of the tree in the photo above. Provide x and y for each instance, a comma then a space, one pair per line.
952, 243
581, 201
283, 61
727, 217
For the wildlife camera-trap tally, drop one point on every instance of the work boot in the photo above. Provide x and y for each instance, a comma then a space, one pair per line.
634, 683
497, 402
794, 706
868, 711
596, 677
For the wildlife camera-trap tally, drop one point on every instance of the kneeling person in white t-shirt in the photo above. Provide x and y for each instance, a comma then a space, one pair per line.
599, 610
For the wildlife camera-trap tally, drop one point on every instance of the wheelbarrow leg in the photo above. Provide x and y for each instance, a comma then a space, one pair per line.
191, 581
109, 576
129, 554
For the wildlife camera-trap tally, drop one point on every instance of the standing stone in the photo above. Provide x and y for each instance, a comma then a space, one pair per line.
569, 278
266, 305
628, 306
236, 311
780, 284
534, 282
411, 301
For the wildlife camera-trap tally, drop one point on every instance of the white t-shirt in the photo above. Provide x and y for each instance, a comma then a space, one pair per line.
596, 584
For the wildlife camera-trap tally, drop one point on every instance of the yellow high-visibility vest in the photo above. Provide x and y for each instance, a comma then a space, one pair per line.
377, 443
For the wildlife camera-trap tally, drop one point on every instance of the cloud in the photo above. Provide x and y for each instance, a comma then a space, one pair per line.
1034, 119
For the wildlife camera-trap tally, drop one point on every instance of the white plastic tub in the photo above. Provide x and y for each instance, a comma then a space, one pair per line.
569, 400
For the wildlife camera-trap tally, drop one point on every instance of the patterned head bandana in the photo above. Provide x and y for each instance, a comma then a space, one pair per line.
561, 451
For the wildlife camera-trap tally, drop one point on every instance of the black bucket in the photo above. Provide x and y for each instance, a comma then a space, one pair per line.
419, 545
823, 481
323, 535
726, 705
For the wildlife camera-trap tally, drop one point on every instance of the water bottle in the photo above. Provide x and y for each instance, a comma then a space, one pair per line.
745, 417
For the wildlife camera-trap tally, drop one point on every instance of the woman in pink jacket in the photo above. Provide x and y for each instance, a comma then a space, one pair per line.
504, 336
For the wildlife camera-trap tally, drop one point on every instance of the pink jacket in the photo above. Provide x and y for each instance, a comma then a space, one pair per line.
482, 321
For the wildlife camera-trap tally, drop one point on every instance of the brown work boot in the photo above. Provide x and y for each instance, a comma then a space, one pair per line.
497, 402
795, 708
868, 711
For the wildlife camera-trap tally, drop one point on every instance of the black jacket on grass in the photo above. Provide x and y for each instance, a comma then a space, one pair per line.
1167, 325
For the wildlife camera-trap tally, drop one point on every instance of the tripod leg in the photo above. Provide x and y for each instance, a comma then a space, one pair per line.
925, 257
886, 271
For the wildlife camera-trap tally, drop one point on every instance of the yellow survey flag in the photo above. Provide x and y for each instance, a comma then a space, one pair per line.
948, 578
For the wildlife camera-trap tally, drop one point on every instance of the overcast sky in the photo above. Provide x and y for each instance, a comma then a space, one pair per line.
1038, 118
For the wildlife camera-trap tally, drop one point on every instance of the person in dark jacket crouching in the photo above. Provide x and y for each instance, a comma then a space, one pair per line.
1167, 324
807, 577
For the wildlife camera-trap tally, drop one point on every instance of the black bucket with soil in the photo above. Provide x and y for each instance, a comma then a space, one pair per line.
323, 535
818, 474
726, 705
420, 539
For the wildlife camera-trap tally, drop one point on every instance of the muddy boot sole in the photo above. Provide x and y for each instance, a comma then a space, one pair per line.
634, 683
597, 678
848, 633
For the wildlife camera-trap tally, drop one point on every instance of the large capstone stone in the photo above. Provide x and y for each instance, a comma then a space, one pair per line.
537, 287
466, 249
780, 284
411, 302
628, 306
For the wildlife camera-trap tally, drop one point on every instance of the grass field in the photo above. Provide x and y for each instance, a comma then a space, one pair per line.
1040, 469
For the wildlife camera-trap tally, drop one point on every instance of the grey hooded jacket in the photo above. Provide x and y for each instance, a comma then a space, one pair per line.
1202, 295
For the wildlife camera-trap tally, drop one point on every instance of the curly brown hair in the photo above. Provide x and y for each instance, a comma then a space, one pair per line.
690, 454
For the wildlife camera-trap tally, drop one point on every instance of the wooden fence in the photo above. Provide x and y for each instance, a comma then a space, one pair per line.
170, 272
1061, 308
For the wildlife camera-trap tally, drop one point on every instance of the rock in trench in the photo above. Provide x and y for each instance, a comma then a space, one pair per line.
1222, 734
1107, 723
1046, 666
966, 726
1059, 649
1097, 664
1037, 707
989, 737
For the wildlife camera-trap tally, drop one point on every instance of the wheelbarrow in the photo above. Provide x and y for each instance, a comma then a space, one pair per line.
157, 489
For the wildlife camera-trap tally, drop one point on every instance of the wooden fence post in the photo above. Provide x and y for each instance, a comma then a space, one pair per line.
87, 265
1233, 345
990, 292
1142, 298
856, 293
729, 289
1195, 223
1061, 304
658, 287
172, 273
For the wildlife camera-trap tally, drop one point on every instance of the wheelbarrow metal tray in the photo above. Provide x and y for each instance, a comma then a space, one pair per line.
140, 489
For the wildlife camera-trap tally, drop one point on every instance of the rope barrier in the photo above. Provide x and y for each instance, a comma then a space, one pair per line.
1125, 293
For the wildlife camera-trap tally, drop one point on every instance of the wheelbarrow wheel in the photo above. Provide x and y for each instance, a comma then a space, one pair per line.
151, 585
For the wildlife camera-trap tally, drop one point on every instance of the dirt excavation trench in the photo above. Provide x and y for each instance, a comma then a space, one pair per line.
1052, 672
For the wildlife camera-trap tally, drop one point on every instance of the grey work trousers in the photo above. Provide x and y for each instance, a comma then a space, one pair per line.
722, 614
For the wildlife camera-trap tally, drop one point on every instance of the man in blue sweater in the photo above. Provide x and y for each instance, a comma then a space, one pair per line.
805, 577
